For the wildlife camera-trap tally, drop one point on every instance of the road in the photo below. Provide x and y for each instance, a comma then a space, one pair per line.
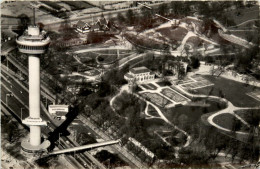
19, 103
89, 17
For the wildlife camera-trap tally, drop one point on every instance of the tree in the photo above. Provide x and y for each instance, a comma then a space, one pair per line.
24, 22
120, 18
67, 31
195, 63
130, 17
203, 8
147, 16
163, 9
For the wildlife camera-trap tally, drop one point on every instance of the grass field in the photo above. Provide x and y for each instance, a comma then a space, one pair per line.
233, 91
245, 14
193, 113
174, 34
194, 40
152, 111
250, 116
230, 122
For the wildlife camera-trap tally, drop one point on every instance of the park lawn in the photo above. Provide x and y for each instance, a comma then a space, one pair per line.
91, 55
196, 41
113, 52
249, 115
174, 34
191, 113
227, 120
246, 14
235, 92
152, 111
247, 34
107, 58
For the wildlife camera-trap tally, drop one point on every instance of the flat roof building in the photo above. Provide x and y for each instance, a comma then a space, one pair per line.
139, 74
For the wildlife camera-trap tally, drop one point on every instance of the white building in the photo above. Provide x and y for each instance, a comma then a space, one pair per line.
139, 74
53, 109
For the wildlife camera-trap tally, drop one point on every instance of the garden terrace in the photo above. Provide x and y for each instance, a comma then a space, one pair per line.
173, 95
235, 92
156, 99
230, 122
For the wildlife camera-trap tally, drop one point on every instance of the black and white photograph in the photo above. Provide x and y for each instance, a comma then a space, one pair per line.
98, 84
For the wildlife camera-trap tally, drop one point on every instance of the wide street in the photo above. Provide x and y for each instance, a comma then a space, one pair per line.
18, 102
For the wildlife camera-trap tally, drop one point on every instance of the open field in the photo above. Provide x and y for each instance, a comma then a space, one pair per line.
233, 91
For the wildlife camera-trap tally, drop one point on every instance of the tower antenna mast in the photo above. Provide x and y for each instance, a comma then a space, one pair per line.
34, 16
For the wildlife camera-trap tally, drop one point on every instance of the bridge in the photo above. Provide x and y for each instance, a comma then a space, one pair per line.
105, 143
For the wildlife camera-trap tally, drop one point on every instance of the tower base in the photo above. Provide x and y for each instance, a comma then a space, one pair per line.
27, 147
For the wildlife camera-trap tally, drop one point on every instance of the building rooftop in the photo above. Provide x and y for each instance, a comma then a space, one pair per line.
95, 26
138, 70
129, 76
103, 21
81, 24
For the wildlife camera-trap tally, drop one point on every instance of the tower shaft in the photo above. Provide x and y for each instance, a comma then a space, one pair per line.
34, 86
34, 98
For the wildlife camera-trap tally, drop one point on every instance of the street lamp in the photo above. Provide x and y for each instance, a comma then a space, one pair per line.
22, 112
9, 95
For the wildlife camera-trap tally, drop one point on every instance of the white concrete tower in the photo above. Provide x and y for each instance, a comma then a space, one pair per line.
34, 42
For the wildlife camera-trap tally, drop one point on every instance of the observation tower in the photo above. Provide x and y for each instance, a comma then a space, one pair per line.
34, 43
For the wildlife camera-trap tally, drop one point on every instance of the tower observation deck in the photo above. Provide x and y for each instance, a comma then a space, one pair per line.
34, 42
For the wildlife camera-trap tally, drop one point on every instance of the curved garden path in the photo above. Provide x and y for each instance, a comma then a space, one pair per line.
229, 109
125, 88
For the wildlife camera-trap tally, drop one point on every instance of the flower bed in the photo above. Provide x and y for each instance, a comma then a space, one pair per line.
156, 99
176, 97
